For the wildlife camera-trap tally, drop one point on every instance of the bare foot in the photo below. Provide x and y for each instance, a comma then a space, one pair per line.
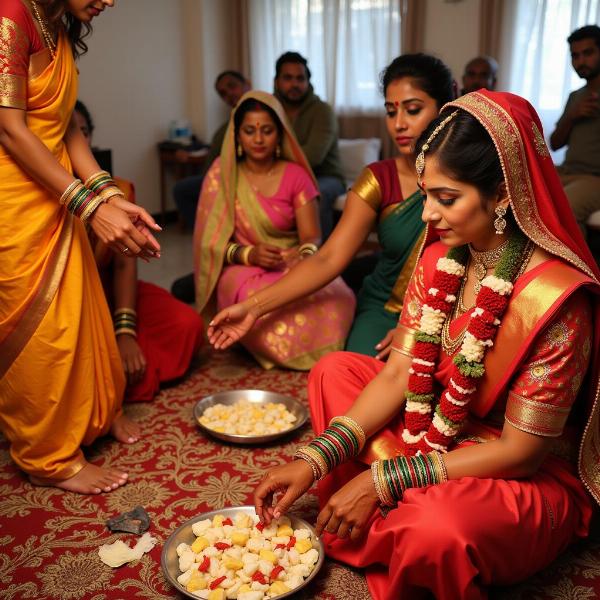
90, 480
125, 430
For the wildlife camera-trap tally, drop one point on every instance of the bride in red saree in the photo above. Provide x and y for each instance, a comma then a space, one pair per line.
482, 428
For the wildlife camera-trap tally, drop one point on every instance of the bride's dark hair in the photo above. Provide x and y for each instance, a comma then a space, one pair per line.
465, 151
59, 17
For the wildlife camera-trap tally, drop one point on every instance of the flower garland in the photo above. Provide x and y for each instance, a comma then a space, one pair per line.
426, 427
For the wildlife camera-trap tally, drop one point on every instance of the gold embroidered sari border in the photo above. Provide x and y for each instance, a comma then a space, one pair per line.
13, 91
536, 417
506, 137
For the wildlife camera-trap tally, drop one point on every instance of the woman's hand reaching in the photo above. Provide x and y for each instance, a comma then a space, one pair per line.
348, 511
126, 228
230, 325
293, 479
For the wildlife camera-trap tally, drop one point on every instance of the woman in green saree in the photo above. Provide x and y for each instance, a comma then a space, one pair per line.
386, 197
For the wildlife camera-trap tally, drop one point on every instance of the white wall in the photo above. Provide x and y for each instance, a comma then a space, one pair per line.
133, 81
452, 32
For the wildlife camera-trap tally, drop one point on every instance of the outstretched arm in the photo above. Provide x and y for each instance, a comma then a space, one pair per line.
308, 275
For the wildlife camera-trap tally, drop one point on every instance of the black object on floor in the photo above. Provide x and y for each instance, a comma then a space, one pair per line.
136, 521
183, 289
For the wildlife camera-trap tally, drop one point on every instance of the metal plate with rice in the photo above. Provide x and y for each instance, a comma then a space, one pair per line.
169, 559
258, 397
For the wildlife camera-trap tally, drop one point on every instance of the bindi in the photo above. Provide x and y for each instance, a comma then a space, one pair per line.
396, 103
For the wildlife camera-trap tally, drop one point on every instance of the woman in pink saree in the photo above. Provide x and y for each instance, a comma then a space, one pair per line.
257, 217
481, 430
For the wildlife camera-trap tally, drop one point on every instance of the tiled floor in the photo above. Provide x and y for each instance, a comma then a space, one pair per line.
176, 259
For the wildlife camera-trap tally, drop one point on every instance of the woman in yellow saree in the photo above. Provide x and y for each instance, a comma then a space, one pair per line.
61, 380
256, 218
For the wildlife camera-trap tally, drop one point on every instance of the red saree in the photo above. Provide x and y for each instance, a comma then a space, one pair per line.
541, 375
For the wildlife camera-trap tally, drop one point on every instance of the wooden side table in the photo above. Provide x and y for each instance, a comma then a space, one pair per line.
181, 163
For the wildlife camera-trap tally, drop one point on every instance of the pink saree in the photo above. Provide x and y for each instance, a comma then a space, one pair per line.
297, 335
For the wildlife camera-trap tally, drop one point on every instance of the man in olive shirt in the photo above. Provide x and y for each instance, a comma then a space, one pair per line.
315, 126
579, 127
231, 86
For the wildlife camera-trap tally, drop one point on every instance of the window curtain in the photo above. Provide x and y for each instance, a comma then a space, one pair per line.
534, 59
347, 44
490, 27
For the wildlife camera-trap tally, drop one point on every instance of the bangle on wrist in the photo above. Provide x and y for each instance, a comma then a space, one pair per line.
244, 255
394, 476
343, 439
125, 321
230, 252
80, 201
308, 249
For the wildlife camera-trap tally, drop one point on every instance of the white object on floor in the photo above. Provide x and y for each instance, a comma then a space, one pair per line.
119, 553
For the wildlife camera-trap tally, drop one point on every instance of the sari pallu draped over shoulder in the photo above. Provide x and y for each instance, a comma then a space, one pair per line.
295, 335
61, 380
543, 213
215, 220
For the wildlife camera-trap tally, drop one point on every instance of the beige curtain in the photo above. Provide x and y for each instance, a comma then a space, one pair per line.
490, 27
413, 25
240, 38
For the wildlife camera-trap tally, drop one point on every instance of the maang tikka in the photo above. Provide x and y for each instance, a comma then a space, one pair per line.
420, 161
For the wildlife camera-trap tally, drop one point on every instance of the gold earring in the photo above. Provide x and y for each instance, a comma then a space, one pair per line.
278, 151
240, 151
500, 222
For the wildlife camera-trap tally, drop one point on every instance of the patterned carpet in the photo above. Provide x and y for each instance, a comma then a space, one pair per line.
50, 538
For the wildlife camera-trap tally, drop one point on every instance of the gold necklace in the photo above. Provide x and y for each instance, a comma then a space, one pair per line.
451, 345
485, 260
250, 175
44, 27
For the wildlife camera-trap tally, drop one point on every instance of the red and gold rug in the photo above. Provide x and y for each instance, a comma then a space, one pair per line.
50, 538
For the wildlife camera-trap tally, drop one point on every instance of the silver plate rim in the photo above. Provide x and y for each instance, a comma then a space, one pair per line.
210, 399
232, 510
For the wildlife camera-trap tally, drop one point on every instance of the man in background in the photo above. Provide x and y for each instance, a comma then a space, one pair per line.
315, 126
231, 86
579, 127
479, 73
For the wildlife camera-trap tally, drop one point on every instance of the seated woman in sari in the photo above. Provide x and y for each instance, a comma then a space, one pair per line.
61, 379
257, 217
386, 197
157, 335
472, 427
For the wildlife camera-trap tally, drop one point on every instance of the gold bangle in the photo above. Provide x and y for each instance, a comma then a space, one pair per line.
124, 311
95, 176
439, 466
245, 255
90, 208
110, 192
232, 248
308, 249
68, 193
354, 427
126, 331
312, 456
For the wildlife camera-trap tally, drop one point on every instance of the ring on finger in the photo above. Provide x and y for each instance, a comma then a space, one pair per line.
125, 250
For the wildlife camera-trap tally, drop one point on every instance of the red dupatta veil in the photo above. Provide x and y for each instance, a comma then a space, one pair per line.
543, 213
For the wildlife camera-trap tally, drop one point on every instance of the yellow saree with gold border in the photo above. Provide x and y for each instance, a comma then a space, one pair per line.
61, 379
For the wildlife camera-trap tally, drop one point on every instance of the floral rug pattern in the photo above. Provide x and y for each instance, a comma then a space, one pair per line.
49, 538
